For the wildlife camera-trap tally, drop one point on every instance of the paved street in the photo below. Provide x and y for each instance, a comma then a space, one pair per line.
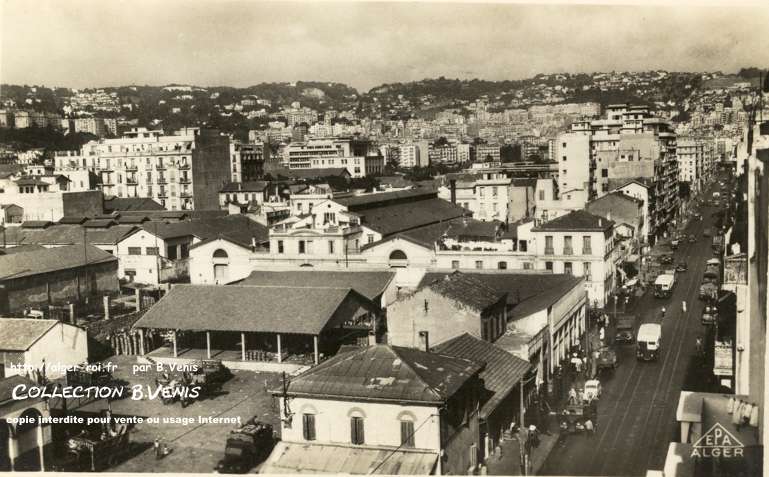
636, 416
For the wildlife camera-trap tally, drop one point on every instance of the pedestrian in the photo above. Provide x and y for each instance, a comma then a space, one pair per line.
157, 448
589, 427
602, 334
663, 312
572, 395
683, 306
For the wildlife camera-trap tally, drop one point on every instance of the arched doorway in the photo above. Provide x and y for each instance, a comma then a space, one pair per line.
398, 259
29, 442
221, 266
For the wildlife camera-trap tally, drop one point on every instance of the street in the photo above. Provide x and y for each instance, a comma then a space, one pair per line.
636, 414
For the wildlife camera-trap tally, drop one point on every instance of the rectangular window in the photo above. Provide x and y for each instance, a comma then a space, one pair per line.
455, 264
502, 265
134, 250
308, 427
587, 246
549, 245
130, 273
527, 265
331, 247
586, 270
541, 195
356, 431
567, 268
479, 264
523, 246
369, 238
549, 266
280, 246
152, 250
407, 434
567, 250
301, 247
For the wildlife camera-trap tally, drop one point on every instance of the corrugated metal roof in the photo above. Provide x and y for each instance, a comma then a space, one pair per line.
502, 372
254, 309
304, 458
387, 373
18, 334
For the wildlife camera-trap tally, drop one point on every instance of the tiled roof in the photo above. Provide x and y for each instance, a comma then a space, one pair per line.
471, 228
20, 249
131, 203
99, 223
365, 201
248, 186
616, 196
31, 181
503, 370
529, 292
19, 334
465, 289
577, 220
237, 228
401, 217
35, 224
368, 284
315, 173
7, 385
49, 260
67, 234
387, 373
300, 310
71, 219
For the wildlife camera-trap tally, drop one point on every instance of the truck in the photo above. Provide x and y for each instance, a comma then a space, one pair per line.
663, 285
95, 451
606, 359
718, 244
648, 341
247, 446
625, 325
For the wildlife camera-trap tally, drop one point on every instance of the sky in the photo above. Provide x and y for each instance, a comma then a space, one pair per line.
93, 43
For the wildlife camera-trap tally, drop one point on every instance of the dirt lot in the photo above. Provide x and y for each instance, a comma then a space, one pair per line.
195, 447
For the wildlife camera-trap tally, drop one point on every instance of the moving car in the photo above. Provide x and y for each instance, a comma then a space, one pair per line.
681, 267
692, 238
607, 359
625, 325
592, 389
707, 232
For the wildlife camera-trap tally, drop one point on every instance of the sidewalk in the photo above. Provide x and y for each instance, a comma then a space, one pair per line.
509, 461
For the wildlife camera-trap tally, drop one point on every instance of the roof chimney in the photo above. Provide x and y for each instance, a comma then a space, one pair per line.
600, 222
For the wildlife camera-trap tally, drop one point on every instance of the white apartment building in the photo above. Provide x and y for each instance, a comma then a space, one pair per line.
184, 171
491, 196
690, 153
409, 156
357, 156
581, 244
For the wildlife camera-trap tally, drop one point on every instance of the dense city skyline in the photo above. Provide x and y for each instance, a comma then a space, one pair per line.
90, 44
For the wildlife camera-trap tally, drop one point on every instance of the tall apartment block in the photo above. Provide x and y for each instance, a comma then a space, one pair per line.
184, 171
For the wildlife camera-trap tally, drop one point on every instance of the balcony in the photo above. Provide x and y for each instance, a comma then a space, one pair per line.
131, 167
160, 167
163, 194
568, 251
185, 180
132, 182
184, 166
549, 251
587, 251
185, 195
162, 180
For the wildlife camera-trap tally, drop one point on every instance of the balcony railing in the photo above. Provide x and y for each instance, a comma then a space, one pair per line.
160, 167
132, 167
184, 166
587, 251
185, 195
549, 251
132, 182
185, 180
162, 180
568, 251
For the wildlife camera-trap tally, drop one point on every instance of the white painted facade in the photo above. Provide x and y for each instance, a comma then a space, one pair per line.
209, 268
61, 346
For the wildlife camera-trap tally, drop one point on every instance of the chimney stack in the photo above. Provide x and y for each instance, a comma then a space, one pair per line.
424, 341
453, 187
600, 222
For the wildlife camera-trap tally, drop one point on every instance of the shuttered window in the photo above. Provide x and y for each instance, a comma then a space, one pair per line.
356, 431
308, 426
407, 433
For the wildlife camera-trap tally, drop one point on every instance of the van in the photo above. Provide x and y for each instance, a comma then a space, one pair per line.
649, 341
664, 284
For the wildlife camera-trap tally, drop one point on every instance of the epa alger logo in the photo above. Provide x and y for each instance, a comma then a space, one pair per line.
718, 442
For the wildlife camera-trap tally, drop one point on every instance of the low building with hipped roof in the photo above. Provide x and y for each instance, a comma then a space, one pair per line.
269, 328
381, 410
34, 347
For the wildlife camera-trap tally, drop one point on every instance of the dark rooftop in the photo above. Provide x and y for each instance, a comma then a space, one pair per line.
503, 370
19, 334
248, 186
368, 284
577, 220
465, 289
301, 310
130, 203
49, 260
387, 373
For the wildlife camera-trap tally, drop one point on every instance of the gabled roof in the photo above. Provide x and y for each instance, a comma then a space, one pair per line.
369, 284
502, 372
72, 219
316, 173
465, 289
67, 234
387, 373
36, 262
20, 249
578, 221
405, 216
19, 334
616, 196
35, 224
365, 201
8, 384
248, 186
99, 223
469, 228
300, 310
130, 203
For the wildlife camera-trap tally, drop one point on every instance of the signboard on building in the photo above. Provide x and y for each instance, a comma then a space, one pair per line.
723, 363
736, 270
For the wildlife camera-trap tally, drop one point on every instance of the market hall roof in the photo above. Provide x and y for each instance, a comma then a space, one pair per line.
300, 310
369, 284
386, 373
36, 262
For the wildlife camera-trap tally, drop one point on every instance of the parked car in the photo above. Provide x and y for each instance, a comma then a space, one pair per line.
625, 329
666, 259
692, 238
709, 315
681, 267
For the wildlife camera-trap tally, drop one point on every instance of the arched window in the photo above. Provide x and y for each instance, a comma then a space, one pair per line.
398, 255
219, 253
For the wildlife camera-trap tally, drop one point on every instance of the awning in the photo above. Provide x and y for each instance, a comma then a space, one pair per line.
632, 258
301, 458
